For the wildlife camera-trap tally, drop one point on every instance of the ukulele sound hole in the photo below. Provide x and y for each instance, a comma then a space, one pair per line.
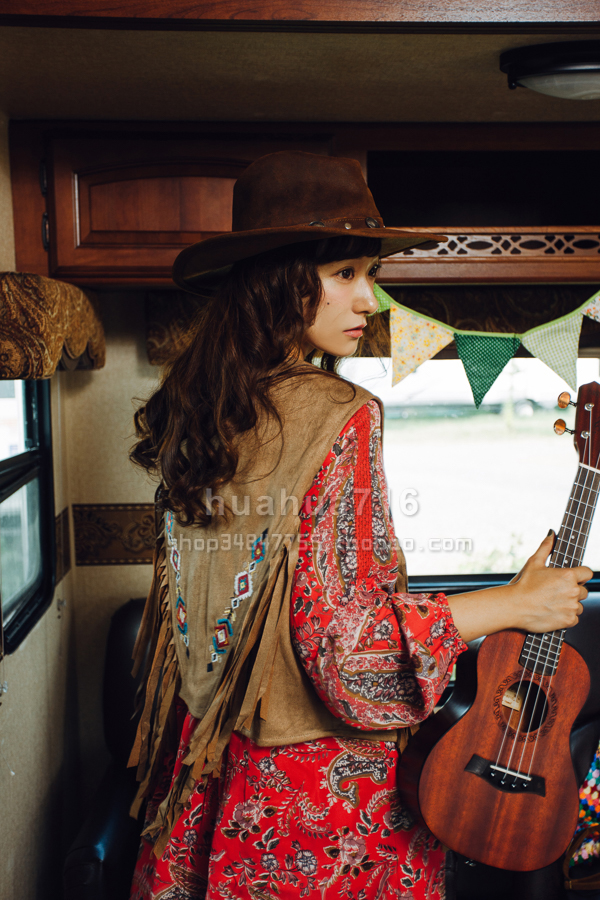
524, 706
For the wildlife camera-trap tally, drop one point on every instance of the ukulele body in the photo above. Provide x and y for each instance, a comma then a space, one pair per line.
453, 769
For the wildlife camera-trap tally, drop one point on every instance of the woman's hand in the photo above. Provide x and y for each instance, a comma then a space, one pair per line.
538, 599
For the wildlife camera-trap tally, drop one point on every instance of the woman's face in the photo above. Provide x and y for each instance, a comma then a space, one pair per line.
347, 300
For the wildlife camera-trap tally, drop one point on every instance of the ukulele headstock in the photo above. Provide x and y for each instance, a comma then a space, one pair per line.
586, 435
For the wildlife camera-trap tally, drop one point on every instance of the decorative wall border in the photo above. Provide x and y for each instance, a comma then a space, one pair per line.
113, 534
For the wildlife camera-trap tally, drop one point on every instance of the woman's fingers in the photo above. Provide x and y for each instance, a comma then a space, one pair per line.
543, 551
582, 573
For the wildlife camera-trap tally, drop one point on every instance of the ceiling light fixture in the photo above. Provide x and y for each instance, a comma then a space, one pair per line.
569, 69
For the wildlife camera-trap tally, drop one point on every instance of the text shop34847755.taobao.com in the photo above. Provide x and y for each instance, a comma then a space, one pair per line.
229, 541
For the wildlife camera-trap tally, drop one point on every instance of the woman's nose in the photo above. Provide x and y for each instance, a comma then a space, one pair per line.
366, 302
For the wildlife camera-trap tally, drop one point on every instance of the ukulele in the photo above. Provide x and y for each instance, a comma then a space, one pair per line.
491, 773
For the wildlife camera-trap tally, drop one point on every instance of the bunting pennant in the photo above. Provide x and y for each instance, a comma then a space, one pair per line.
484, 357
416, 338
384, 301
556, 344
592, 307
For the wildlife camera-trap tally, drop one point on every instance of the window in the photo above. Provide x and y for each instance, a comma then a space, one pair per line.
26, 507
474, 492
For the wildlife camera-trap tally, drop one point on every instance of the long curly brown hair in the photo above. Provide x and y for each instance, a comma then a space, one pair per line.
241, 343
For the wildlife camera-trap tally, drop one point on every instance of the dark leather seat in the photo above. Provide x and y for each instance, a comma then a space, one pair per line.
474, 881
99, 864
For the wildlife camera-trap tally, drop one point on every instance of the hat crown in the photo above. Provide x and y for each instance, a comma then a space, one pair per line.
292, 187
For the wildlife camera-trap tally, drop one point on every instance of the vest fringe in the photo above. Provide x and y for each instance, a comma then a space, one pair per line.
157, 728
244, 685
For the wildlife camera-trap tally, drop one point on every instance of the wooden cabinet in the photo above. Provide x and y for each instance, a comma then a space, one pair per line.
116, 202
121, 204
123, 208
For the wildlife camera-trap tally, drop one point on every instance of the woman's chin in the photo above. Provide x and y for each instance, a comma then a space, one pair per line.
344, 347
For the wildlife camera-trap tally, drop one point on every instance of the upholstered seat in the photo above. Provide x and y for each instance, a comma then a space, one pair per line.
99, 864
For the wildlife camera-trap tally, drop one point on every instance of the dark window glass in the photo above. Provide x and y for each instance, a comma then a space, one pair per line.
26, 507
476, 188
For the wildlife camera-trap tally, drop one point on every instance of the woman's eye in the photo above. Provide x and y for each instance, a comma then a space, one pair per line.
347, 273
373, 272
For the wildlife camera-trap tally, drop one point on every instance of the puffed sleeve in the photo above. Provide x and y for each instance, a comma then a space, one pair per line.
378, 659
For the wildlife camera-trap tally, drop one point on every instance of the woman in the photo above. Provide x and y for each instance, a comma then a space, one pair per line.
287, 663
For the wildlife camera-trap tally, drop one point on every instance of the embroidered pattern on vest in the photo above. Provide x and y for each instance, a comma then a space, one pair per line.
175, 560
242, 590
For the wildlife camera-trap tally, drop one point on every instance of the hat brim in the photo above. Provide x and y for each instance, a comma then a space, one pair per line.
197, 267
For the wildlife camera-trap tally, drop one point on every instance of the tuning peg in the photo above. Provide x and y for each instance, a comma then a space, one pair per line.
560, 427
564, 400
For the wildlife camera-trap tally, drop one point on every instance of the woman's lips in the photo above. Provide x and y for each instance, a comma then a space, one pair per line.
355, 332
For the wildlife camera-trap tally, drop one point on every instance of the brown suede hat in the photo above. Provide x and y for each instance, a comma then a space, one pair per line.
287, 198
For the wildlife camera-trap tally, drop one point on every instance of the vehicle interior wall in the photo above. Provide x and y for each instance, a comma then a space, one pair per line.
98, 412
38, 743
52, 747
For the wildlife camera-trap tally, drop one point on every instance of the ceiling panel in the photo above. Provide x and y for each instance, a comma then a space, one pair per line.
48, 73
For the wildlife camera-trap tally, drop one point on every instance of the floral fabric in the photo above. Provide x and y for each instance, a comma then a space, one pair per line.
414, 339
323, 819
589, 815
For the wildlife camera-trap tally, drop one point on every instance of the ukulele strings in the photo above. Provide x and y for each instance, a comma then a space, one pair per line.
524, 705
527, 660
545, 688
575, 556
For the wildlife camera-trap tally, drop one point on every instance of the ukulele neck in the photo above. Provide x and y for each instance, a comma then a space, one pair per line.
572, 538
541, 652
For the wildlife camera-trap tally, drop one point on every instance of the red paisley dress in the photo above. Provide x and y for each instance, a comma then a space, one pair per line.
323, 819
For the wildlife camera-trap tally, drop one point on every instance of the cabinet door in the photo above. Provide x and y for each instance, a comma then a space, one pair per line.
123, 206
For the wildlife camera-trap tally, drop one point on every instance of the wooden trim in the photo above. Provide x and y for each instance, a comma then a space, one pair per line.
346, 138
481, 136
491, 271
313, 14
26, 154
397, 271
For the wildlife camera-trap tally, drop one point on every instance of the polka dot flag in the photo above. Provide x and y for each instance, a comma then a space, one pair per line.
484, 356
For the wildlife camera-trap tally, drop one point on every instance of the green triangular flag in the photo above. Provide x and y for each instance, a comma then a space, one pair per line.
484, 356
384, 301
556, 344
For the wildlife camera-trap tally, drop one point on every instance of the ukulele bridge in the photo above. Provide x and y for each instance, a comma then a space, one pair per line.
506, 779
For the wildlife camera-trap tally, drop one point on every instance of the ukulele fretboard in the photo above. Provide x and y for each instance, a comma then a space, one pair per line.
541, 652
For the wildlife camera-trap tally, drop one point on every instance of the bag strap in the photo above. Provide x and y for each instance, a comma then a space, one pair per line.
588, 882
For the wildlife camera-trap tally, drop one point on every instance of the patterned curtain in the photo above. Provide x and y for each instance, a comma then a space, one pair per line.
44, 323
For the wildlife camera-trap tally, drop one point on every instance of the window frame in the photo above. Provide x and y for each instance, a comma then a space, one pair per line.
15, 472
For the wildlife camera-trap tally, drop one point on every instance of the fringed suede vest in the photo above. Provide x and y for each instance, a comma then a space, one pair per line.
217, 619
